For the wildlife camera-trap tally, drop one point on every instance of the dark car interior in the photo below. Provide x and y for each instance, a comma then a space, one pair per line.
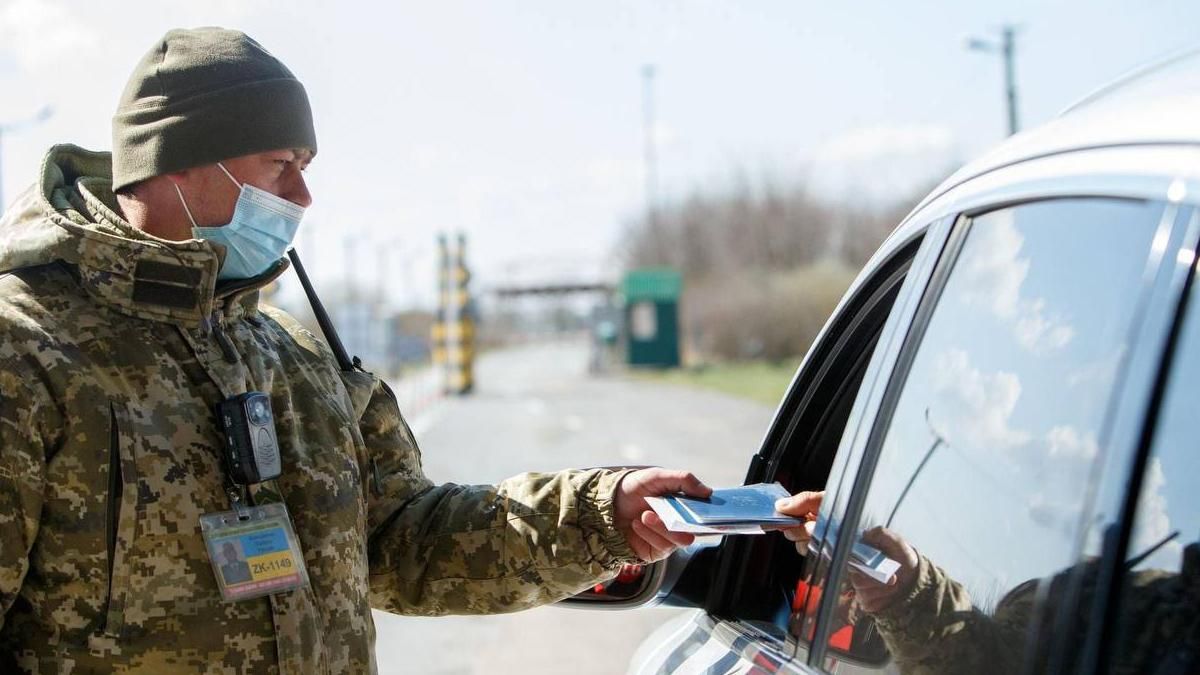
761, 575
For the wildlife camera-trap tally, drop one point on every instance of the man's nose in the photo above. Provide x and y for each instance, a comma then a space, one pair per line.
297, 191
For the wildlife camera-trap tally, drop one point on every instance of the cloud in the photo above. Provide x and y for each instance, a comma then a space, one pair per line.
41, 32
975, 406
1067, 442
1153, 522
1060, 465
1061, 517
994, 275
1098, 374
883, 163
874, 142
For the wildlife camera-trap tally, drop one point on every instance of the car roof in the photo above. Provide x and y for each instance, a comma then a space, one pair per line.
1154, 107
1158, 105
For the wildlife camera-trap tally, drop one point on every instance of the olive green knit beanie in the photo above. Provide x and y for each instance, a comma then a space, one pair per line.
205, 95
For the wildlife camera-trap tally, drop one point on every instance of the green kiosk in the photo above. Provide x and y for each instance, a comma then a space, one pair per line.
652, 316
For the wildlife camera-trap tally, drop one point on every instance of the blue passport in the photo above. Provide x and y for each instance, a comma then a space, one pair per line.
746, 504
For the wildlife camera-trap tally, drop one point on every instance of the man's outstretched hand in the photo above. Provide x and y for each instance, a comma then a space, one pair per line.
645, 531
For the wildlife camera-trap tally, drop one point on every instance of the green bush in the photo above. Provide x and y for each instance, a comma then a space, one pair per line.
762, 314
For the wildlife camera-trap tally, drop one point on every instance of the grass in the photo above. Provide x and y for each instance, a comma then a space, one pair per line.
755, 380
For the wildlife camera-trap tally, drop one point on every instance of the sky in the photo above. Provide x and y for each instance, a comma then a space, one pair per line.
521, 125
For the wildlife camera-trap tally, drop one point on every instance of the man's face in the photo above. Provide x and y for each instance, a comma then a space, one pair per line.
211, 196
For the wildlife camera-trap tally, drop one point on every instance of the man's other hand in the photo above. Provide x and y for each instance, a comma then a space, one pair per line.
643, 529
874, 596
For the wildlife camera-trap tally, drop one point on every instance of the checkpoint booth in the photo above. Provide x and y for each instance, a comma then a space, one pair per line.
652, 316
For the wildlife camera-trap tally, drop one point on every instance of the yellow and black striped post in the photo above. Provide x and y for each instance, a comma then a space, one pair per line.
438, 332
454, 326
462, 332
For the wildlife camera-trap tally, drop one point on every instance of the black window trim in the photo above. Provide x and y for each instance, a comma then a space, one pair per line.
902, 262
929, 294
765, 462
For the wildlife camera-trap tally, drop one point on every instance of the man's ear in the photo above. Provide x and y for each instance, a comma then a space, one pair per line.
179, 177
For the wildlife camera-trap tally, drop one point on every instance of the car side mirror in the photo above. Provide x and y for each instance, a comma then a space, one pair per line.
679, 580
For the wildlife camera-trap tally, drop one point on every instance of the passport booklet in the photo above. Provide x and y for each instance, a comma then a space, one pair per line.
749, 509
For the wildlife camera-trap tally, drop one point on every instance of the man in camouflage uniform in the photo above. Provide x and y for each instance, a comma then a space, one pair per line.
120, 331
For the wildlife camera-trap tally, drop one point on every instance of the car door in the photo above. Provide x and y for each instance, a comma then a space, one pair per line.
980, 467
746, 622
1060, 273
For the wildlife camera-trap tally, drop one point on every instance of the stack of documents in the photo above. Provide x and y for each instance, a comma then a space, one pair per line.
872, 562
863, 557
749, 509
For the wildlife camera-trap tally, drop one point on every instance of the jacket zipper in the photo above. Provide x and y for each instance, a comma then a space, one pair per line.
215, 323
112, 513
217, 327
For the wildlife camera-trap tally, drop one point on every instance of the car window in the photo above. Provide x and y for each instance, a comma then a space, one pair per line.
979, 484
763, 589
1156, 628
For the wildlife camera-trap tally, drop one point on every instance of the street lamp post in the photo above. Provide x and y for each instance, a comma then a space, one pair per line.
1006, 48
650, 158
9, 127
938, 441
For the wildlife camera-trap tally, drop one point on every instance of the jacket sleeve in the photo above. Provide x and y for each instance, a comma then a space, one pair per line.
23, 426
936, 630
476, 549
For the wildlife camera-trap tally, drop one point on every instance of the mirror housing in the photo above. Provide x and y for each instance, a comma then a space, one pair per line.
682, 579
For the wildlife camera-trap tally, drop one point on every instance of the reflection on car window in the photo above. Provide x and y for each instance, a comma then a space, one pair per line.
986, 459
1159, 623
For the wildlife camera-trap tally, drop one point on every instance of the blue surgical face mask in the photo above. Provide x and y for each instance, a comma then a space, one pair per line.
260, 233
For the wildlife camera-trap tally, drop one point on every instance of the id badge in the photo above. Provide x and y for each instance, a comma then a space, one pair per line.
254, 552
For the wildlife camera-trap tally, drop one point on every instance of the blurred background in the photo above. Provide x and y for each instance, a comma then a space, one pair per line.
577, 234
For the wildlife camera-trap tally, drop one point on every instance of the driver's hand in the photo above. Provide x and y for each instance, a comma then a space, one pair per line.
805, 506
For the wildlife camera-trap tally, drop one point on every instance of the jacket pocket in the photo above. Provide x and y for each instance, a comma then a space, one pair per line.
360, 387
120, 522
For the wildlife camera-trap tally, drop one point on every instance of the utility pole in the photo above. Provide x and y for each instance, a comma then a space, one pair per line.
650, 157
42, 115
1006, 48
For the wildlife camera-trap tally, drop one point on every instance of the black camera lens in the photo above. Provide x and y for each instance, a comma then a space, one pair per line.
259, 413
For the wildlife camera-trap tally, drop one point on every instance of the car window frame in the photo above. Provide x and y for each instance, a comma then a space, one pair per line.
1136, 427
917, 252
870, 448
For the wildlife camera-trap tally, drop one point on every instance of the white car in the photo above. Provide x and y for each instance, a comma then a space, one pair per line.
1010, 387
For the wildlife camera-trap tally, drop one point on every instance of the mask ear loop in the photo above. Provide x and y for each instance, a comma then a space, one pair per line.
235, 181
184, 202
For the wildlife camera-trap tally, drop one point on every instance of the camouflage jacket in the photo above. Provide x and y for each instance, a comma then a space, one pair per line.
114, 348
936, 629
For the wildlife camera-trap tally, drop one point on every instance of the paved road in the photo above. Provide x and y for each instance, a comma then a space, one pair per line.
536, 408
